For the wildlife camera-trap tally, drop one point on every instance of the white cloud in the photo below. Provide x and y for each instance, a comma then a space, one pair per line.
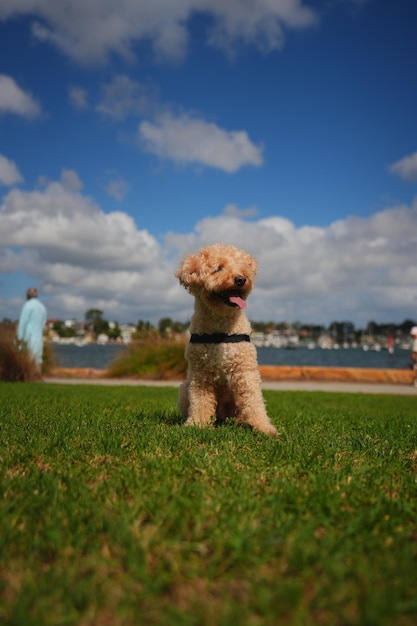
357, 269
90, 32
123, 97
70, 180
117, 189
78, 98
9, 173
233, 211
80, 257
185, 139
188, 140
15, 100
257, 22
406, 168
65, 227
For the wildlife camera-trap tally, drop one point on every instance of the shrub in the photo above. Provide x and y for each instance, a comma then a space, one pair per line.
48, 359
16, 362
153, 357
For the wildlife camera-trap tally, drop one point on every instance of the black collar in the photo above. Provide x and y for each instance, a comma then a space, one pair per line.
217, 338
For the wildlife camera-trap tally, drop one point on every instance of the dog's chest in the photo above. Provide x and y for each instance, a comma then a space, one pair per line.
219, 361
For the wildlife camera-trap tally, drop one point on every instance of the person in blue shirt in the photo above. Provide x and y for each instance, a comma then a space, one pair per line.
413, 355
31, 323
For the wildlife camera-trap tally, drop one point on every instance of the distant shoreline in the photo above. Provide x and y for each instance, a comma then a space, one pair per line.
271, 373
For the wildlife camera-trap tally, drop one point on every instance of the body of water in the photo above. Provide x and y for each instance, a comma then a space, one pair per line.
91, 355
341, 357
100, 357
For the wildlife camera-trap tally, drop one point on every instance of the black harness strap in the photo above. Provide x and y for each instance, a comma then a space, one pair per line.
217, 338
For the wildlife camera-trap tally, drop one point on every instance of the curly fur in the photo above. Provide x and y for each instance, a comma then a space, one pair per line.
223, 379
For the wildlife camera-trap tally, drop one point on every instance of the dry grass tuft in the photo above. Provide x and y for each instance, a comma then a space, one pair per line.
153, 357
16, 362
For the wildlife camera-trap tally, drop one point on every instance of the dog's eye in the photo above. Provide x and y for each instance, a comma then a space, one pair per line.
218, 269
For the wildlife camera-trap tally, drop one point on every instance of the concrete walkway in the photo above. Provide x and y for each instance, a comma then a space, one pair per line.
303, 385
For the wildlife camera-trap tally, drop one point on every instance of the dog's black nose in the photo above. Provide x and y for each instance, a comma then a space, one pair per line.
240, 281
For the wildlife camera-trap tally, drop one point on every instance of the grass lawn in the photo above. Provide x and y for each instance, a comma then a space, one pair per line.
112, 513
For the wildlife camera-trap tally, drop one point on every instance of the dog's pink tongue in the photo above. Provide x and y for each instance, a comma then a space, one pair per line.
238, 301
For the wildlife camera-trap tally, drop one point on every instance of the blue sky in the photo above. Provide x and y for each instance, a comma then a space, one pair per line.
132, 132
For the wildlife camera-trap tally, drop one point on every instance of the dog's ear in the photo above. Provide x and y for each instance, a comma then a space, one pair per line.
188, 272
252, 264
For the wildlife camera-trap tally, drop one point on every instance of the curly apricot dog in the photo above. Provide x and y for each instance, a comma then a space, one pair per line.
223, 378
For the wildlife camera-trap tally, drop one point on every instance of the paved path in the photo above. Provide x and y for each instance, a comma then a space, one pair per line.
302, 385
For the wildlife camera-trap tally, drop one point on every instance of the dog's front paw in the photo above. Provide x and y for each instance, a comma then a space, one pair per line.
191, 421
269, 430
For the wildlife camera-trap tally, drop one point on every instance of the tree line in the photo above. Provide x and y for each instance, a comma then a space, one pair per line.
340, 331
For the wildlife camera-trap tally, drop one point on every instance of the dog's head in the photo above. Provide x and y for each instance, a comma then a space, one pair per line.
220, 274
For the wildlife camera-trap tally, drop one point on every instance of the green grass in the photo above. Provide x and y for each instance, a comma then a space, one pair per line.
112, 512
